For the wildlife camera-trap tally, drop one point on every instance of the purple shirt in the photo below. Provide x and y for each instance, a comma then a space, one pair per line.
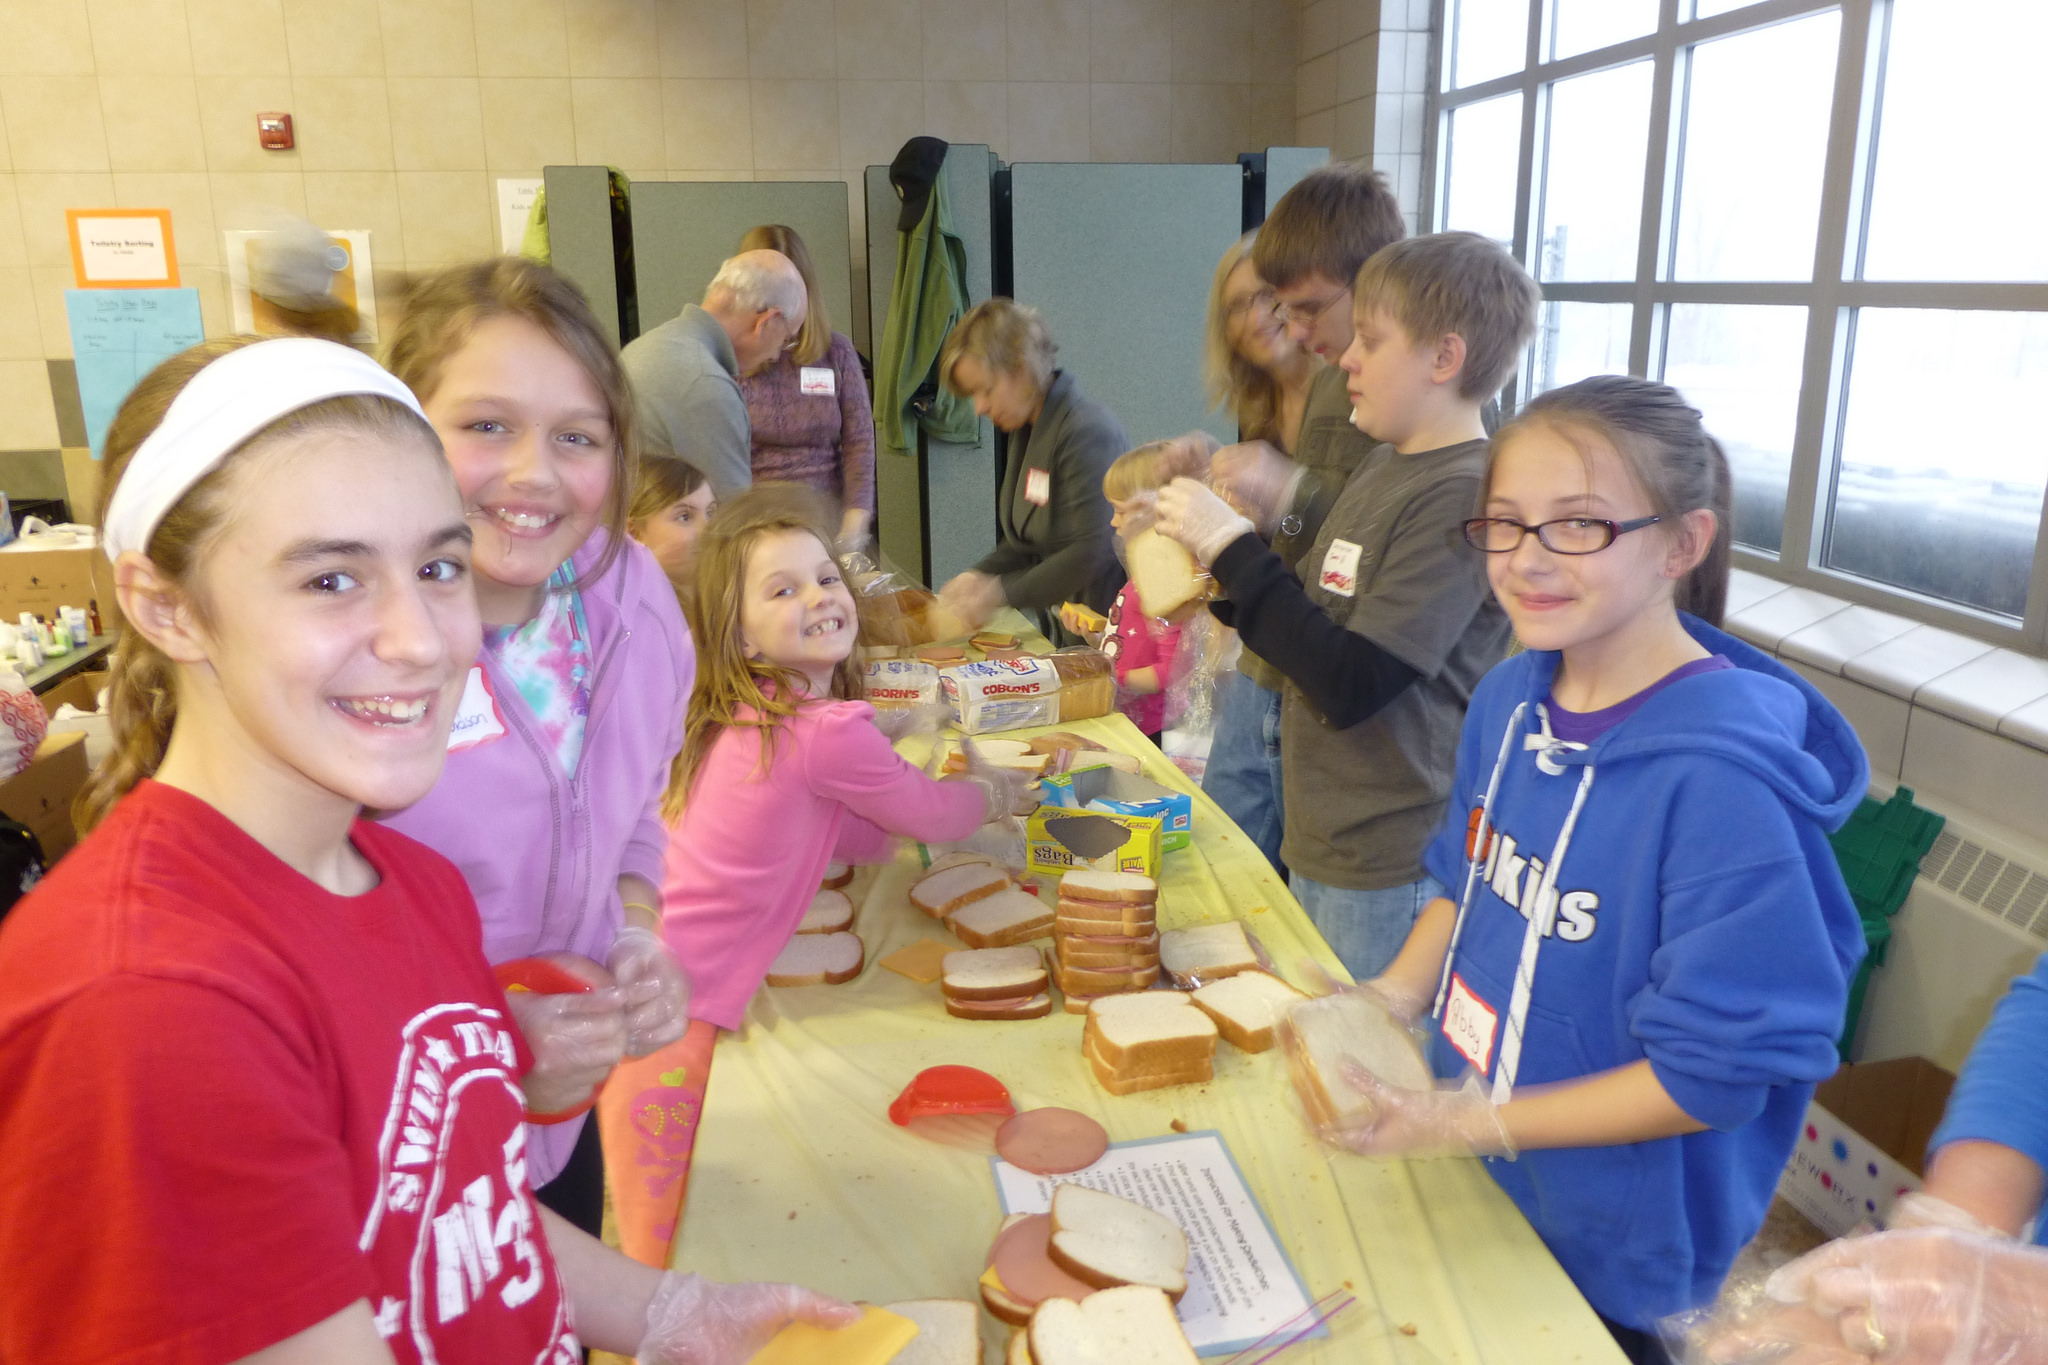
825, 438
1583, 727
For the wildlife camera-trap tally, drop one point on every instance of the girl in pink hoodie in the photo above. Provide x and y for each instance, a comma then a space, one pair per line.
782, 769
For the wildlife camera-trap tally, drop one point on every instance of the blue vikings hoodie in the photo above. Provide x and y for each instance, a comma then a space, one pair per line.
1690, 911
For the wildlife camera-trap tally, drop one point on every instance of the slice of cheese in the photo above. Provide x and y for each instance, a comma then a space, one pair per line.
923, 961
873, 1340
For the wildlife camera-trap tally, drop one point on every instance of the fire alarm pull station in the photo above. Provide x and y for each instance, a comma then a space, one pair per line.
274, 131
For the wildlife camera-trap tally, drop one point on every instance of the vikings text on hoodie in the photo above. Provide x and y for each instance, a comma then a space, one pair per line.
1687, 909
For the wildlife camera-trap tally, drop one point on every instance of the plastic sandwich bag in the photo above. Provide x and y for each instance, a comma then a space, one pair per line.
23, 723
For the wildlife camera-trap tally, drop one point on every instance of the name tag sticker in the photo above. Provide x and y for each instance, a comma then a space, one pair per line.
1340, 569
476, 717
1469, 1024
1038, 486
817, 379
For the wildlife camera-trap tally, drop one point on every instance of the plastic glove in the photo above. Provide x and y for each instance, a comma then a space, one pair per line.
901, 722
695, 1321
1198, 519
1004, 788
655, 987
1136, 513
1923, 1210
1422, 1123
576, 1039
973, 597
1255, 478
1929, 1296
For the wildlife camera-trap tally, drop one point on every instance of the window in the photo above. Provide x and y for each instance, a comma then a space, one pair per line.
1820, 221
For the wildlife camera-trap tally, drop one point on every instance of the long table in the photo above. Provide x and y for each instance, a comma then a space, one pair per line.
798, 1173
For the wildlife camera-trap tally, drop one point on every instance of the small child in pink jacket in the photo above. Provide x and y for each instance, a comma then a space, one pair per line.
781, 772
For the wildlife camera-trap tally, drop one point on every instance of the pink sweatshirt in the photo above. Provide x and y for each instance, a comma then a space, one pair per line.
750, 849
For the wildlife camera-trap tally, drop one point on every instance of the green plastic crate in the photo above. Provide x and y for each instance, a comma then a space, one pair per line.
1879, 851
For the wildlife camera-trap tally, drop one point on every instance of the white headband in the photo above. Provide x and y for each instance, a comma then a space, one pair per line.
222, 406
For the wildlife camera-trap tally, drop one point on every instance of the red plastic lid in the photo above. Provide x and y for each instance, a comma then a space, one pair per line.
950, 1090
546, 976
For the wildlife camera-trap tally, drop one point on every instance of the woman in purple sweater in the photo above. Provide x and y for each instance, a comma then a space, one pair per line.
809, 409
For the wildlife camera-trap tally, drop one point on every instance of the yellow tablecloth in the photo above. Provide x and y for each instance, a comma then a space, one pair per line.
799, 1174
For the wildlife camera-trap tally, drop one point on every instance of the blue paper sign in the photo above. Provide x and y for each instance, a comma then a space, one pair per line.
118, 336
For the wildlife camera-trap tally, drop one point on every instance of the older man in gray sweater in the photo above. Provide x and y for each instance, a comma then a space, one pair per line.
685, 373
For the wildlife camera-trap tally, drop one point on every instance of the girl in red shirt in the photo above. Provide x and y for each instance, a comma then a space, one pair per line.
251, 1056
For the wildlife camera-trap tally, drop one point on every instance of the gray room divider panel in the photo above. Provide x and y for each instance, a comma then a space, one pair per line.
1119, 258
1285, 165
683, 229
935, 514
580, 237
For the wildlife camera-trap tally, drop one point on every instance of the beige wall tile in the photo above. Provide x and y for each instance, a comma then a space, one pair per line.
341, 123
1315, 84
152, 123
1048, 121
189, 197
437, 123
879, 39
618, 122
448, 217
53, 319
1272, 117
704, 38
43, 200
54, 123
1130, 122
746, 174
965, 40
1276, 41
1354, 132
614, 38
1316, 130
428, 37
1320, 26
968, 111
791, 40
1358, 67
211, 284
13, 250
796, 124
140, 36
251, 199
228, 106
708, 125
334, 37
527, 122
1130, 40
1048, 40
28, 415
237, 37
876, 118
1211, 41
521, 38
45, 38
359, 200
21, 334
6, 157
1210, 122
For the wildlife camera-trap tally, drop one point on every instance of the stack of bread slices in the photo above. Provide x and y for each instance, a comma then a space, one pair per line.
1203, 953
1097, 1281
1147, 1040
824, 950
996, 983
980, 903
1105, 935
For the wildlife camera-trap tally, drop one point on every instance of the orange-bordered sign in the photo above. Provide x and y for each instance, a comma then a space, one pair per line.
122, 248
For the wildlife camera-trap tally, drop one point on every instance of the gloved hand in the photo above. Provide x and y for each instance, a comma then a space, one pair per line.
1198, 519
901, 722
1928, 1296
576, 1039
1923, 1210
655, 988
973, 597
1256, 479
1422, 1123
1137, 513
1004, 788
695, 1321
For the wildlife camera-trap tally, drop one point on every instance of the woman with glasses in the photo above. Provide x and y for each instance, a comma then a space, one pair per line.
1056, 545
808, 406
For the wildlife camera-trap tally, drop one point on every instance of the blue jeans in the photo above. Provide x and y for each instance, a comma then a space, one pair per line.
1243, 775
1365, 929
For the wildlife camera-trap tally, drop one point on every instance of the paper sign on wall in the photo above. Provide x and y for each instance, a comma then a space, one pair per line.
515, 205
122, 248
118, 336
355, 285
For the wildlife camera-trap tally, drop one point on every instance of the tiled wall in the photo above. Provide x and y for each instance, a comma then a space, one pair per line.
1362, 86
407, 111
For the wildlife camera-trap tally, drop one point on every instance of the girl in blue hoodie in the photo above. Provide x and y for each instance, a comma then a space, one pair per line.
1645, 959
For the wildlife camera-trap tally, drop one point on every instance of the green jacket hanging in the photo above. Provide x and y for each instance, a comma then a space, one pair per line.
929, 297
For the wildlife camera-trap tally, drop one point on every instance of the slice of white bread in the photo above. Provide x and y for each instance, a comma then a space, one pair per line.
959, 857
1107, 1240
1163, 573
1207, 952
837, 875
1017, 1351
1248, 1007
1105, 980
1105, 758
1131, 1081
1084, 884
993, 973
938, 894
818, 960
1151, 1030
948, 1332
1075, 951
1002, 920
1028, 1007
830, 913
1129, 1325
1323, 1033
1053, 741
1109, 919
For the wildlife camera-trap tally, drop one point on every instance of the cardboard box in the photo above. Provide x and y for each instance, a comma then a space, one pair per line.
40, 795
1125, 794
1062, 840
1864, 1141
81, 690
40, 580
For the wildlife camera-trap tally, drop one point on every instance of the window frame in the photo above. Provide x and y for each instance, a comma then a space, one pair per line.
1831, 297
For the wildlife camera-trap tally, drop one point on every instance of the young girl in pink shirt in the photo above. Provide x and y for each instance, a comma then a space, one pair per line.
782, 768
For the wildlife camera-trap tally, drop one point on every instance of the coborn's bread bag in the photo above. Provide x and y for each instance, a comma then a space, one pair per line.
900, 682
1002, 694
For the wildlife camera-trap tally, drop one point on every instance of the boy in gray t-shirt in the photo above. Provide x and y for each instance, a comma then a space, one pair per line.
1386, 624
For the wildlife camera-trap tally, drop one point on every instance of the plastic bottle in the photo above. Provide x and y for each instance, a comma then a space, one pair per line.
93, 616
